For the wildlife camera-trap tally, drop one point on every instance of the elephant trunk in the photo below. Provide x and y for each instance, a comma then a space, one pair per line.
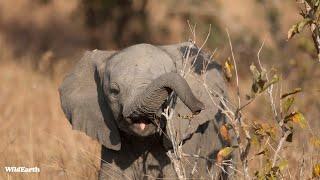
151, 99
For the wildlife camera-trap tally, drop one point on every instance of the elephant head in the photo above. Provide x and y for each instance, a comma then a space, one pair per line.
124, 90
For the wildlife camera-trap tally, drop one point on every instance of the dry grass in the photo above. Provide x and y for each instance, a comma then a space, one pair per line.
34, 131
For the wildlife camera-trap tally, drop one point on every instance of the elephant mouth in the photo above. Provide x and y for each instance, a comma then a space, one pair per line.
143, 126
141, 123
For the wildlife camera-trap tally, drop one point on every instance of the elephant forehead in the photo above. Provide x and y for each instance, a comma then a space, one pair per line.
140, 61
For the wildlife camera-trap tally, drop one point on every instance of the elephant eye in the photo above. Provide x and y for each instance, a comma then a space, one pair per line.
114, 90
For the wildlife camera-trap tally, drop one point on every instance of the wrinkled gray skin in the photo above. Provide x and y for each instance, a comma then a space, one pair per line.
117, 98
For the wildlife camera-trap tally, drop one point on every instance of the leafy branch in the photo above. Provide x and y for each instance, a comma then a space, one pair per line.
311, 15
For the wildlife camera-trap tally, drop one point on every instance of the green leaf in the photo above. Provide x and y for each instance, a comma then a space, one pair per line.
292, 31
297, 28
303, 23
299, 118
224, 153
287, 104
283, 164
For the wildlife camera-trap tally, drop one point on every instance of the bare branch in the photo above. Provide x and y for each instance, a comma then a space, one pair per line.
235, 67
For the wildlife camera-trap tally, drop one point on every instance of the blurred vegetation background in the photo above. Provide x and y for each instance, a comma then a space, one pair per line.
40, 40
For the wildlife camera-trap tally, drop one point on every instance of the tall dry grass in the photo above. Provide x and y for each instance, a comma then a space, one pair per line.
34, 131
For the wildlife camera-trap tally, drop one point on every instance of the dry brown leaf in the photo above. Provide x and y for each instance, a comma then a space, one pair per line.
225, 133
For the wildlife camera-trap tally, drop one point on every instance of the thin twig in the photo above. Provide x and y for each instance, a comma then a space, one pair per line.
243, 148
282, 140
270, 89
200, 49
235, 67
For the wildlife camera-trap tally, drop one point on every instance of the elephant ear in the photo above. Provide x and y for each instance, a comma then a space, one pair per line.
83, 102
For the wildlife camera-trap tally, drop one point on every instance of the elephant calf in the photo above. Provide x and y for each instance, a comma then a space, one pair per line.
118, 98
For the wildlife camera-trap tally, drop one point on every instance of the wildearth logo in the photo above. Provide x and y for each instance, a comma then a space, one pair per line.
22, 169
